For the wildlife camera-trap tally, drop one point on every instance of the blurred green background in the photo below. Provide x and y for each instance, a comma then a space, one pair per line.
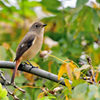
72, 33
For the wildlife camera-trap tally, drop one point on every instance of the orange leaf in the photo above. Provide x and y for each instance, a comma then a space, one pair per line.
96, 77
62, 70
6, 45
49, 65
69, 71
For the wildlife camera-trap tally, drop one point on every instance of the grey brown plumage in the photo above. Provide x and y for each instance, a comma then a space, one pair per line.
24, 45
30, 45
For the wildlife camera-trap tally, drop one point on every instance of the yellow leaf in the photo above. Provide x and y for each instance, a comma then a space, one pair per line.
97, 57
40, 95
96, 77
70, 68
34, 64
90, 50
29, 77
77, 73
68, 84
67, 68
62, 70
72, 65
49, 66
94, 5
66, 97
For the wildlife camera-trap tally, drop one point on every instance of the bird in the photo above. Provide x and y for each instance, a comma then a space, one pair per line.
29, 46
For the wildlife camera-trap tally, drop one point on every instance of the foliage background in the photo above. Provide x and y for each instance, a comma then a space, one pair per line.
75, 30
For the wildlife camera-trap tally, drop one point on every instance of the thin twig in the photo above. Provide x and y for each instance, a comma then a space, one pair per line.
91, 71
7, 82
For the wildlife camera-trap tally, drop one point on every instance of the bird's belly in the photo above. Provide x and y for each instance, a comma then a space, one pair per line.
31, 52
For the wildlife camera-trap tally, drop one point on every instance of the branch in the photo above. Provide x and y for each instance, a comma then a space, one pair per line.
8, 83
91, 71
36, 71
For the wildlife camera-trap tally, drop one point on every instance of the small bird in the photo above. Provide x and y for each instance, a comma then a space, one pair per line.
29, 46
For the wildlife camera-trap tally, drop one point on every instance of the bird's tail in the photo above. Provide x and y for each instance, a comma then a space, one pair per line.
15, 70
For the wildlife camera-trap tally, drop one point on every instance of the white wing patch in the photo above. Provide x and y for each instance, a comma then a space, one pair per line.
34, 41
22, 45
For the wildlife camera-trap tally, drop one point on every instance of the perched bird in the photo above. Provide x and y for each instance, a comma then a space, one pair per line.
29, 46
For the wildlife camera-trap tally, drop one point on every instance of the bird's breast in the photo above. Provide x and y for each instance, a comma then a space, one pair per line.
33, 50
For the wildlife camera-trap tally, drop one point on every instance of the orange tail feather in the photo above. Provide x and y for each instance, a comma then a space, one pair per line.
15, 70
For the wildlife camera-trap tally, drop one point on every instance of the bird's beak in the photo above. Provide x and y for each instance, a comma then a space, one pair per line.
44, 25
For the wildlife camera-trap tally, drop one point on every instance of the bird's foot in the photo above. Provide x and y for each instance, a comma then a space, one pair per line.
31, 66
22, 64
25, 63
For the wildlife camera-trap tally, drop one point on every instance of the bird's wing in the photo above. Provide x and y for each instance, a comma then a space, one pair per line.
24, 45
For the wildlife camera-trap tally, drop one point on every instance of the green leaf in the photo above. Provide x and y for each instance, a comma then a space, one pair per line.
13, 53
4, 92
93, 92
51, 5
0, 87
2, 53
28, 96
78, 81
38, 83
47, 98
95, 19
81, 2
79, 92
98, 1
22, 78
5, 98
81, 88
29, 4
93, 88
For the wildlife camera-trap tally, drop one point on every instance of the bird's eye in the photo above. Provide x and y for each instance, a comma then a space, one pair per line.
36, 26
